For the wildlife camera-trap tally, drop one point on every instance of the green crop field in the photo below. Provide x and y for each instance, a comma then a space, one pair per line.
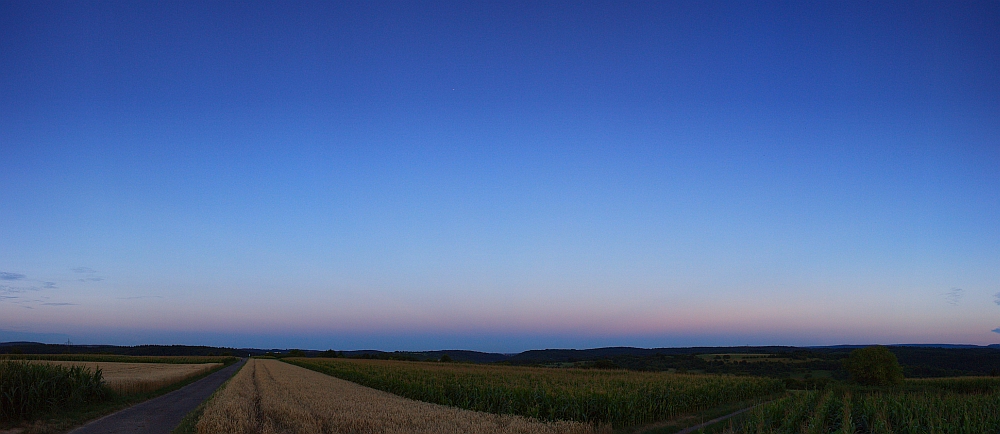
29, 390
947, 405
616, 397
52, 393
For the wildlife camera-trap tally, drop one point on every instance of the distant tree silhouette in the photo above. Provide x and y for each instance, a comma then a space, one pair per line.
874, 366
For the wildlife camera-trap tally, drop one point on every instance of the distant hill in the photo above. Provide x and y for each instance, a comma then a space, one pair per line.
918, 360
189, 350
138, 350
925, 361
455, 355
560, 355
913, 345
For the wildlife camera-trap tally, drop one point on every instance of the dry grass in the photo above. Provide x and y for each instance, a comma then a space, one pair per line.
131, 378
269, 396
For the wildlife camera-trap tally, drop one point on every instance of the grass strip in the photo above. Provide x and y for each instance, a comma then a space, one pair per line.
189, 425
683, 423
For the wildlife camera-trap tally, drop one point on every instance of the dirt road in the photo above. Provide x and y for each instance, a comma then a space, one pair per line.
162, 414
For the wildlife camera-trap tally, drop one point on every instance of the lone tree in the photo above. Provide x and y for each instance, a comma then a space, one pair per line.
874, 366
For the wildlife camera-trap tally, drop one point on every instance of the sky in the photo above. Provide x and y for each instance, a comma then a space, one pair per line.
499, 176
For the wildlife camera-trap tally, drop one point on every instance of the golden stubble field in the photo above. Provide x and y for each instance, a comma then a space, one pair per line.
269, 396
130, 378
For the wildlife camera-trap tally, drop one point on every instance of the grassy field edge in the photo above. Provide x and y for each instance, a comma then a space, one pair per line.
189, 425
687, 421
65, 422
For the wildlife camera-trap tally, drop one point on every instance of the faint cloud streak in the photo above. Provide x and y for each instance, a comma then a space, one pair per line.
7, 289
18, 294
954, 296
88, 271
10, 276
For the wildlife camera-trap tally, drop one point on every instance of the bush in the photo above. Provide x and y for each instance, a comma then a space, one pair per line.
605, 364
874, 366
30, 389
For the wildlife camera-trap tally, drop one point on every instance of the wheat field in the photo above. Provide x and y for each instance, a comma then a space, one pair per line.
269, 396
131, 378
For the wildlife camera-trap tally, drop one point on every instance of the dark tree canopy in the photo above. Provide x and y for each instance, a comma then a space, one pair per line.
874, 366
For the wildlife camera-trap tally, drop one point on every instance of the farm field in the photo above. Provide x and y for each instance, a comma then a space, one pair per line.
270, 396
48, 396
947, 405
121, 358
750, 358
132, 378
603, 397
28, 390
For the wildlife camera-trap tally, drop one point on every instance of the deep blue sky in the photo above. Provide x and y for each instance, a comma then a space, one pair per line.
500, 176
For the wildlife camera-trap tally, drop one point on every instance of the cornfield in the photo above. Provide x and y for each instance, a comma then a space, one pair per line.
268, 396
953, 405
28, 390
134, 378
619, 398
